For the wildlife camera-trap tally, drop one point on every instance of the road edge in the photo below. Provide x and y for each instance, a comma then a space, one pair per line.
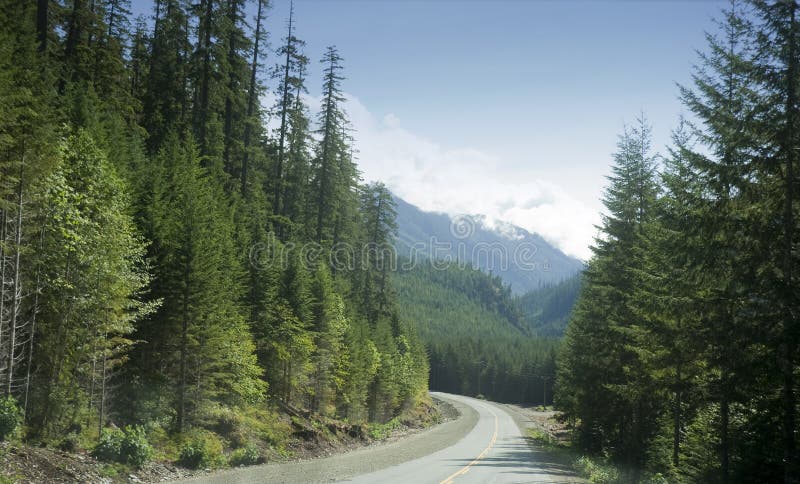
355, 462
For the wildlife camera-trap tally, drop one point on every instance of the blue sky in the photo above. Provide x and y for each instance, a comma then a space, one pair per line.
506, 108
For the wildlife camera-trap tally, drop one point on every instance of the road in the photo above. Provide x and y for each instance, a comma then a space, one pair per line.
495, 451
484, 445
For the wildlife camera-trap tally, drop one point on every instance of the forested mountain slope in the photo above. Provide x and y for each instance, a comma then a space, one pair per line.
548, 310
476, 336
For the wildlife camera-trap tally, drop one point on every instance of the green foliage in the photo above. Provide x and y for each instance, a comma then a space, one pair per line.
548, 310
109, 447
91, 262
202, 450
135, 449
380, 431
474, 333
129, 446
138, 185
681, 356
245, 456
596, 471
10, 417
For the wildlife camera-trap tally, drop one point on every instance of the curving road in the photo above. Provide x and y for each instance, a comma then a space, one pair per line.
494, 451
484, 445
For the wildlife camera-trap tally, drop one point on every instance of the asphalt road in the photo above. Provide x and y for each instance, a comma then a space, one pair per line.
495, 451
484, 445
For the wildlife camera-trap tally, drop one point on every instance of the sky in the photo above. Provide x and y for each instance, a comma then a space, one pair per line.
510, 109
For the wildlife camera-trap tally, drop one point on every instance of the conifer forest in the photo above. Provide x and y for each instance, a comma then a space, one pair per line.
193, 269
164, 256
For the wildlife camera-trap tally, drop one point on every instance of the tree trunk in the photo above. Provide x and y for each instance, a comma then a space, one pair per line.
324, 165
102, 418
276, 205
73, 37
17, 292
3, 236
42, 24
226, 154
251, 99
205, 79
789, 338
676, 423
33, 327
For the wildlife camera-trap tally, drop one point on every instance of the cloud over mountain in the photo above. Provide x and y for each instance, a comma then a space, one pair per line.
458, 180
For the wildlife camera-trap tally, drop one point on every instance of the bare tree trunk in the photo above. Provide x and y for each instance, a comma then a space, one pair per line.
790, 319
102, 419
31, 340
3, 264
205, 80
676, 422
17, 294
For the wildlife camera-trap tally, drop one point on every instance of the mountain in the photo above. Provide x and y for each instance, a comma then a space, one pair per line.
523, 260
490, 302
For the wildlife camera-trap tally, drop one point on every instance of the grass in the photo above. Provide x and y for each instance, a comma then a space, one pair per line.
379, 431
593, 469
597, 470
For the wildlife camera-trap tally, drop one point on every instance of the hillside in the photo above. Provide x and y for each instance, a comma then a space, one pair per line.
523, 260
478, 340
546, 311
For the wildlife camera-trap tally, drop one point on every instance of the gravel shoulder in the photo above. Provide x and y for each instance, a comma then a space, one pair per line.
360, 461
526, 418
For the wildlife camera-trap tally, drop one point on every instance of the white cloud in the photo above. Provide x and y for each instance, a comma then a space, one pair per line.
466, 180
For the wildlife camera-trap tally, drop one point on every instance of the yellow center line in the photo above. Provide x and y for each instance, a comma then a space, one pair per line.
466, 468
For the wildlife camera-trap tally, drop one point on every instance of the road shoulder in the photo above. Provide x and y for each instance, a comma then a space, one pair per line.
560, 462
356, 462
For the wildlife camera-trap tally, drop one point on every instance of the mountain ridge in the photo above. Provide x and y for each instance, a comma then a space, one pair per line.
523, 260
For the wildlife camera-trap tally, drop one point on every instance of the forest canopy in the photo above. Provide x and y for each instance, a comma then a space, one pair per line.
152, 227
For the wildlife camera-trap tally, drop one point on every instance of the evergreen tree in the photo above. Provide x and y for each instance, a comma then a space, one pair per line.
332, 181
165, 106
601, 379
199, 347
377, 259
90, 272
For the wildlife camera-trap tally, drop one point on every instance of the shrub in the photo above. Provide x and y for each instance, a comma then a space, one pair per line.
381, 431
110, 445
202, 450
10, 417
128, 447
596, 471
246, 456
135, 448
